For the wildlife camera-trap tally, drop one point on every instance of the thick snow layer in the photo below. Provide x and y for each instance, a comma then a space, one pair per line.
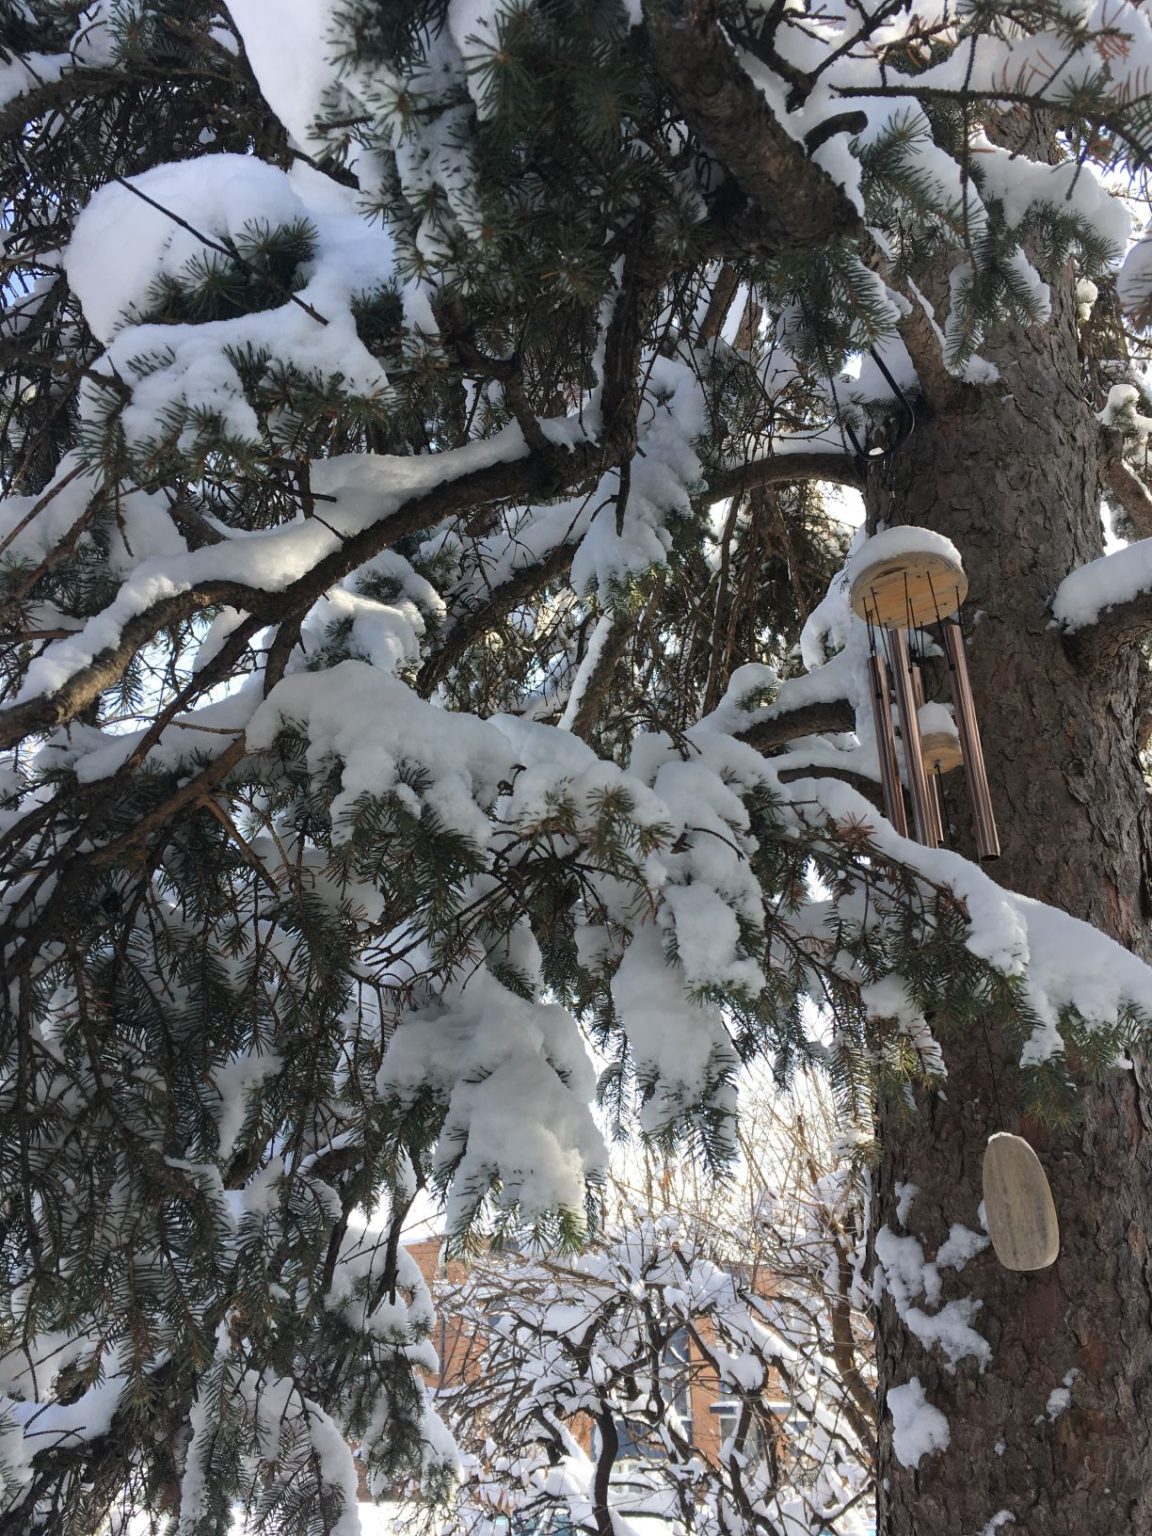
18, 75
372, 725
905, 540
70, 1424
599, 637
675, 1043
662, 473
1122, 412
365, 488
121, 244
828, 626
1134, 280
1019, 184
1063, 962
918, 1428
936, 719
486, 1054
290, 48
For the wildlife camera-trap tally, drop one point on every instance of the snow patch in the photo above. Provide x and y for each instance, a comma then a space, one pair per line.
918, 1429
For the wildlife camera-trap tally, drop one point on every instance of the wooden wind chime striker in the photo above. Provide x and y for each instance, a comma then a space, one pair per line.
915, 589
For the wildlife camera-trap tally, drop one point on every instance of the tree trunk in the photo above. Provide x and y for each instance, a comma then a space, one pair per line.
1009, 472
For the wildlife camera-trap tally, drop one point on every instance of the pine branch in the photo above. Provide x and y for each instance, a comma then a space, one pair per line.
800, 205
786, 469
1108, 117
1131, 492
531, 577
502, 598
860, 782
823, 719
597, 688
75, 85
531, 477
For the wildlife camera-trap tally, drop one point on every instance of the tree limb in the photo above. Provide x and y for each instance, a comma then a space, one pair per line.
1129, 491
71, 86
800, 205
501, 599
536, 475
830, 718
786, 469
860, 782
1096, 646
1106, 606
597, 687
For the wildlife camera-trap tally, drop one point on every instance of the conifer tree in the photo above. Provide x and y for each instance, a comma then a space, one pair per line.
423, 643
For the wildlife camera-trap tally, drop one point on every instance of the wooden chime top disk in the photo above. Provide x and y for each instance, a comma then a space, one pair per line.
909, 590
941, 751
1019, 1212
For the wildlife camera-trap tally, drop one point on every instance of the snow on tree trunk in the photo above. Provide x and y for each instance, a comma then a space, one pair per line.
1055, 1428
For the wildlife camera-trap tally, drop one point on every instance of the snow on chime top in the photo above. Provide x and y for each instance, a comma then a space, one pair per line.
905, 578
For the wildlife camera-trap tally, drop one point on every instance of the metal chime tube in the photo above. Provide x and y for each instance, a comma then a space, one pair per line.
910, 735
983, 819
886, 744
934, 815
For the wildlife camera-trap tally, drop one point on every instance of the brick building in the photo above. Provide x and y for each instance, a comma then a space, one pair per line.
706, 1416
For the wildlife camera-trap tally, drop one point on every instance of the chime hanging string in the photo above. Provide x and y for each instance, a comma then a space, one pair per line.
864, 455
893, 665
976, 778
932, 772
910, 726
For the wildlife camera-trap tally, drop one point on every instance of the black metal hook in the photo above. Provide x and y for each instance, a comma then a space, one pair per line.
907, 413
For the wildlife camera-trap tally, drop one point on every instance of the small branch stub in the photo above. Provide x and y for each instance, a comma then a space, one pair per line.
1019, 1212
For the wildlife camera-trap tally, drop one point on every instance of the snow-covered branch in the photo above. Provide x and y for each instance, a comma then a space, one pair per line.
88, 663
784, 467
1130, 492
799, 205
1107, 604
777, 726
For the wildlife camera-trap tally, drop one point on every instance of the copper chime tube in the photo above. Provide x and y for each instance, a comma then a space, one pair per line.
934, 815
983, 819
910, 734
886, 744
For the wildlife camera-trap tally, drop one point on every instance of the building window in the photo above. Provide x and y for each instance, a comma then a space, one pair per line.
727, 1413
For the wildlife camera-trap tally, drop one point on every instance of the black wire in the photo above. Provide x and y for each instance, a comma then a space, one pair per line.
907, 413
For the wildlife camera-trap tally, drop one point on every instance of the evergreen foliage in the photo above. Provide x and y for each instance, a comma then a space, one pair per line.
409, 540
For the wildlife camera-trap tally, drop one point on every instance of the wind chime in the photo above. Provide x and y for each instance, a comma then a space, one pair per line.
909, 583
913, 584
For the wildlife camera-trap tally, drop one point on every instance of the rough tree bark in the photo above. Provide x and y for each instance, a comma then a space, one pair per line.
1010, 472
